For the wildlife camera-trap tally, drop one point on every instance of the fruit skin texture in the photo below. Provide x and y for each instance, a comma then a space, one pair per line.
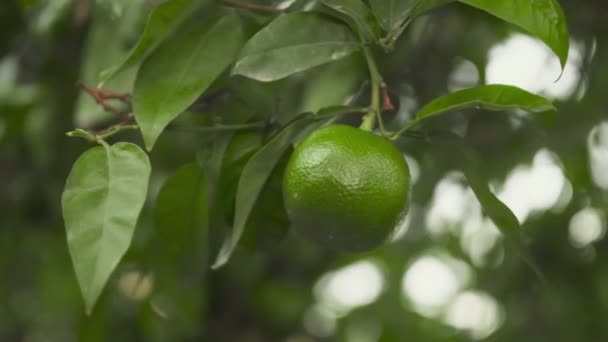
346, 188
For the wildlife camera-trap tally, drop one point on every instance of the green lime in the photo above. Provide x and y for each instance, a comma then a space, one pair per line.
346, 188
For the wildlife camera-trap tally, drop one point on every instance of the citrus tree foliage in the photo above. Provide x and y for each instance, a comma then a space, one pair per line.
504, 239
217, 56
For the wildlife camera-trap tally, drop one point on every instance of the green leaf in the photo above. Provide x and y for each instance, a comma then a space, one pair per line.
105, 43
268, 222
359, 16
176, 74
292, 43
162, 21
211, 160
391, 13
256, 173
542, 18
472, 166
181, 211
334, 83
491, 97
102, 199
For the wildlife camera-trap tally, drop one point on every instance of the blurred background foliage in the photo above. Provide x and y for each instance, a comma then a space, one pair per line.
446, 275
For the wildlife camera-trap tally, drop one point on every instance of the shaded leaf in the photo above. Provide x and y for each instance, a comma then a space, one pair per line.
472, 166
542, 18
181, 211
491, 97
102, 200
313, 39
211, 160
162, 21
268, 223
358, 16
256, 173
176, 74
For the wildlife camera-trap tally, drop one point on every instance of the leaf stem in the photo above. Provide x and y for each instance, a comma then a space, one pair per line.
388, 42
98, 137
403, 130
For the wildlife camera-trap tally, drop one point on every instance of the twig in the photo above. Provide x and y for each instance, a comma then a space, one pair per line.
369, 120
101, 96
82, 12
253, 7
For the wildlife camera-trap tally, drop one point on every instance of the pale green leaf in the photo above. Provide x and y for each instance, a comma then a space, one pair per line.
105, 44
491, 97
162, 21
102, 200
292, 43
176, 74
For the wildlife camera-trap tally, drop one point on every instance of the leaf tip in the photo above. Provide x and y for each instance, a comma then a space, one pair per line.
219, 263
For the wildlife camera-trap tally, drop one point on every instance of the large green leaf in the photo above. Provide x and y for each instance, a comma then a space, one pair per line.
492, 97
255, 174
176, 74
358, 15
542, 18
181, 212
103, 197
162, 21
292, 43
391, 13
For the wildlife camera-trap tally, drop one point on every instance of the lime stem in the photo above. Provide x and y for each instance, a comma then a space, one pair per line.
369, 120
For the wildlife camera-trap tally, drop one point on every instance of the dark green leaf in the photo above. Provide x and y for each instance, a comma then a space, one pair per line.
471, 165
162, 21
359, 16
181, 212
178, 72
103, 197
211, 160
292, 43
491, 97
256, 173
542, 18
268, 222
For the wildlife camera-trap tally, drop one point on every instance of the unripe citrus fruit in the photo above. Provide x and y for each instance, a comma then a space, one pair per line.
346, 188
